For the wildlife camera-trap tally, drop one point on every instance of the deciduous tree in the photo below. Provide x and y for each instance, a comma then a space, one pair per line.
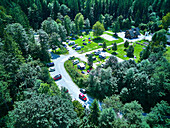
106, 118
90, 60
98, 29
130, 51
43, 111
114, 48
104, 46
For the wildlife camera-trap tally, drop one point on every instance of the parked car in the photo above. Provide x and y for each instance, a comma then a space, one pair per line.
102, 55
50, 64
74, 46
78, 48
76, 61
94, 58
57, 77
97, 52
51, 69
71, 43
84, 44
71, 58
82, 96
65, 45
67, 41
100, 44
73, 38
103, 64
83, 72
85, 105
82, 90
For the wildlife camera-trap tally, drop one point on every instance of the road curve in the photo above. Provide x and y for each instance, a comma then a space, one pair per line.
66, 80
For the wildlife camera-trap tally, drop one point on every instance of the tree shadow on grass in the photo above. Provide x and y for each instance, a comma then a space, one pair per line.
98, 40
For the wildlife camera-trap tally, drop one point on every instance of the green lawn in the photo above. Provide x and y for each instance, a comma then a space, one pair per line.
99, 59
121, 52
94, 43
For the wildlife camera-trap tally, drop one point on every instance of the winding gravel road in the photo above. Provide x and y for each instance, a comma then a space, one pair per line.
66, 80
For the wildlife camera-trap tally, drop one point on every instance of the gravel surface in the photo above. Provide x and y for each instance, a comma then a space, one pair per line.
108, 37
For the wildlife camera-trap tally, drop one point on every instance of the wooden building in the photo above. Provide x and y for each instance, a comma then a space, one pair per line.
132, 33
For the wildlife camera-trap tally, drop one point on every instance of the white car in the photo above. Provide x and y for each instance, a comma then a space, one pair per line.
76, 61
51, 69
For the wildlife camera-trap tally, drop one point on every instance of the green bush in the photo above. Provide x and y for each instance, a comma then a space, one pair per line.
130, 51
61, 50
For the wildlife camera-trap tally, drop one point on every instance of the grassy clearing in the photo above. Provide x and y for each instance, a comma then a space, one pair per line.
78, 70
121, 52
94, 43
99, 59
75, 73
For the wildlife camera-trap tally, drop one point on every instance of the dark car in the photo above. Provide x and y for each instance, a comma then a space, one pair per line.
73, 38
84, 44
97, 52
82, 96
85, 105
50, 64
94, 58
57, 77
83, 72
74, 45
65, 45
82, 90
71, 57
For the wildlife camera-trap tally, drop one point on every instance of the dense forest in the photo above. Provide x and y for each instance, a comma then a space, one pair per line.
30, 98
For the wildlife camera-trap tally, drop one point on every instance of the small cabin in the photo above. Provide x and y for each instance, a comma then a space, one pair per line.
81, 66
132, 33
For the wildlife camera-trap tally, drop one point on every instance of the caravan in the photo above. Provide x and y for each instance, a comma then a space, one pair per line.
78, 48
71, 43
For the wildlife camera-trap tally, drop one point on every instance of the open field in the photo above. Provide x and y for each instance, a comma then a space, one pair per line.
122, 54
93, 43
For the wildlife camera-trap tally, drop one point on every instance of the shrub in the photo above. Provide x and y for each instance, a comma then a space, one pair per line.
126, 44
130, 51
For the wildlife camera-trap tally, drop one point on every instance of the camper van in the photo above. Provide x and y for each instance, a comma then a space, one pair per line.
78, 48
76, 61
71, 43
